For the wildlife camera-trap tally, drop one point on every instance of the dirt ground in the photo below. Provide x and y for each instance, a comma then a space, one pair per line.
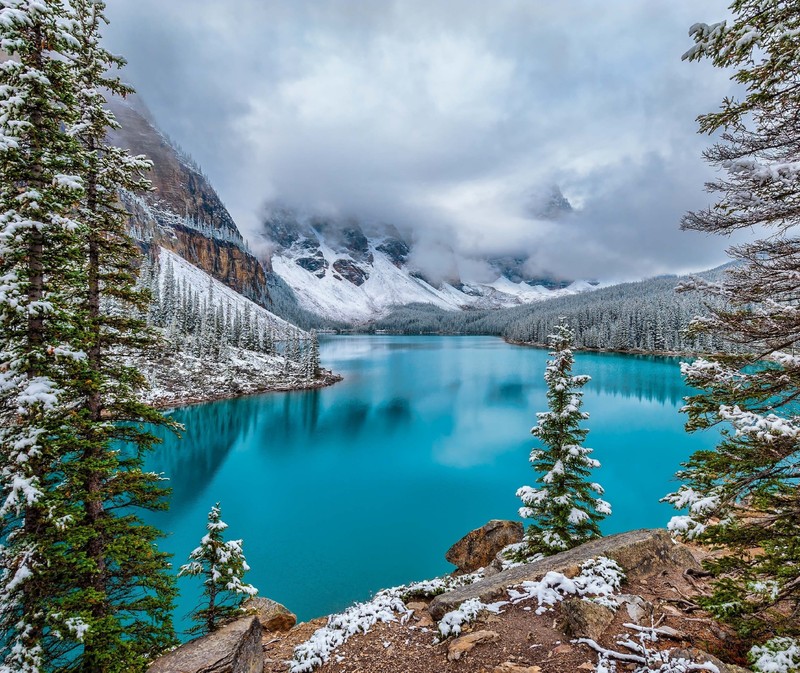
521, 641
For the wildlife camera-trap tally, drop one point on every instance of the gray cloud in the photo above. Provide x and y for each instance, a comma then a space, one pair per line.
443, 116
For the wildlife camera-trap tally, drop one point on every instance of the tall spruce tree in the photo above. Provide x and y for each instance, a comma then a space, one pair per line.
222, 566
564, 505
82, 586
41, 270
123, 588
744, 495
313, 356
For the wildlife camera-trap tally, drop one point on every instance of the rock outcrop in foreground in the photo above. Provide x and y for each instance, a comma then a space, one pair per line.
478, 548
234, 648
272, 615
620, 603
639, 553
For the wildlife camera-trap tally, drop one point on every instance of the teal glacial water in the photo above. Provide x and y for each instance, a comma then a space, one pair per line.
342, 491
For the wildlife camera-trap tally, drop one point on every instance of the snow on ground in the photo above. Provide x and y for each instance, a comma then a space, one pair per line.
598, 580
200, 281
177, 377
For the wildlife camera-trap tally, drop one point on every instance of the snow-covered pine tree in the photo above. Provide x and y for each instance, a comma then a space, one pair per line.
314, 355
564, 505
246, 336
744, 495
293, 346
169, 297
222, 566
109, 608
42, 271
267, 339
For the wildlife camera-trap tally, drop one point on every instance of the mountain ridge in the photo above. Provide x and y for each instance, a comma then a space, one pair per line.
344, 268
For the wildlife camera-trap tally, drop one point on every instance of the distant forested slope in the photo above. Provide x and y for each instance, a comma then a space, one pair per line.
647, 316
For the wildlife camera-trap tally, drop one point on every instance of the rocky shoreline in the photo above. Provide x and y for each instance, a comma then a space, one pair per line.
328, 378
621, 603
178, 379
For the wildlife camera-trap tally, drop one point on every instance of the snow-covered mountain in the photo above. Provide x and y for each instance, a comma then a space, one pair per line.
317, 271
345, 270
183, 212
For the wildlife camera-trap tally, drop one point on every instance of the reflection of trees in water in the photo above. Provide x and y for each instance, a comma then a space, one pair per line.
210, 432
644, 377
396, 413
647, 378
297, 421
512, 392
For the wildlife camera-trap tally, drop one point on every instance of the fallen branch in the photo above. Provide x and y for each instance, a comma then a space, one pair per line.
612, 654
684, 604
666, 631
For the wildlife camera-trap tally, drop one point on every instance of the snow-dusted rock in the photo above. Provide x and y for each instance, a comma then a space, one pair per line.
638, 553
272, 615
585, 619
234, 648
478, 548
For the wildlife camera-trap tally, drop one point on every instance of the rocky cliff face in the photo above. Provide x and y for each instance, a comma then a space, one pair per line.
183, 212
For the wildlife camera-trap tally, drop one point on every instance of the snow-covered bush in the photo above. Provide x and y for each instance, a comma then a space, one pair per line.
779, 655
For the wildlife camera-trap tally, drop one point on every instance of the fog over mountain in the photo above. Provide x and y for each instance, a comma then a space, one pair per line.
445, 118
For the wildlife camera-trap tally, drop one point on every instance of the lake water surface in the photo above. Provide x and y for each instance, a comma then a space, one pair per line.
342, 491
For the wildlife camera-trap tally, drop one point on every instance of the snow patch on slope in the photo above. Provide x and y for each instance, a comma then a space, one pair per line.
200, 281
177, 375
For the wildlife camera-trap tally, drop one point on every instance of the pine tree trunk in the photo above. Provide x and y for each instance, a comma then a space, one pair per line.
211, 622
93, 502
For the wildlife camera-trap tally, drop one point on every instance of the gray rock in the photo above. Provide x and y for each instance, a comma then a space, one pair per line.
233, 648
639, 610
478, 548
640, 553
585, 619
272, 615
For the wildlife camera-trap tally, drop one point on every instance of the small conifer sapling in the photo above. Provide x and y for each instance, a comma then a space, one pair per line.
222, 565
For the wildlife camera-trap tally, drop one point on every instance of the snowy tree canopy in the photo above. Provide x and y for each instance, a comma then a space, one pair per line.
744, 494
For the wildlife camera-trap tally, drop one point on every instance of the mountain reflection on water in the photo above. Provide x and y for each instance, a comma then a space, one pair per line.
341, 491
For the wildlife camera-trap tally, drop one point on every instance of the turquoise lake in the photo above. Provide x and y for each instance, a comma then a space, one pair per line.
342, 491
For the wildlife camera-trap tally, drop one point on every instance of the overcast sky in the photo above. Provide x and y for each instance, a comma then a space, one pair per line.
444, 115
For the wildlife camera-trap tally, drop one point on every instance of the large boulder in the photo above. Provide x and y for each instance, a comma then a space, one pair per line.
478, 548
233, 648
639, 553
272, 615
